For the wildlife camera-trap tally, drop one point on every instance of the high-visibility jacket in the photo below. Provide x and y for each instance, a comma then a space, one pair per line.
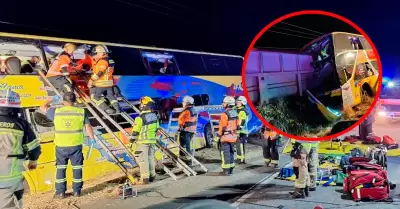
69, 124
145, 128
270, 135
17, 141
62, 66
228, 125
243, 120
306, 144
103, 70
187, 120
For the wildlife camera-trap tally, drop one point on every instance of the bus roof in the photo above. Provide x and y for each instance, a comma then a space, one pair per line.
46, 38
328, 34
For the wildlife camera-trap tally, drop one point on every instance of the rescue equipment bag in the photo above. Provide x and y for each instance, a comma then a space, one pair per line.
379, 154
389, 142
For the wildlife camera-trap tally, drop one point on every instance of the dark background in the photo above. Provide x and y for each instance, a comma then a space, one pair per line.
296, 32
224, 26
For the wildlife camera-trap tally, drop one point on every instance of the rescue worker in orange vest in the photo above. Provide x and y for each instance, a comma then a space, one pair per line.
187, 124
59, 72
18, 143
270, 149
226, 135
102, 82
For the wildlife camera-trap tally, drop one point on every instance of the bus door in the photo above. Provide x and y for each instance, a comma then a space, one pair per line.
345, 64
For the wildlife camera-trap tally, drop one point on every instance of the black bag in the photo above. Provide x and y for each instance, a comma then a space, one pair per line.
380, 155
357, 152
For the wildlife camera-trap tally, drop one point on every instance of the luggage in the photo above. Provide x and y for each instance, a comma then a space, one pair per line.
366, 180
389, 142
286, 173
354, 153
373, 140
379, 154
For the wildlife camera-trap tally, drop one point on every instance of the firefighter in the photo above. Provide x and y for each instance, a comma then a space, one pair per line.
29, 66
365, 128
227, 136
59, 72
313, 162
144, 134
69, 122
187, 124
270, 149
18, 143
243, 131
101, 82
300, 160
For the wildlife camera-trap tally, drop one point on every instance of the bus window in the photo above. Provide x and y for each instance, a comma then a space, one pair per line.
128, 61
345, 64
19, 57
190, 64
343, 42
234, 65
159, 63
215, 65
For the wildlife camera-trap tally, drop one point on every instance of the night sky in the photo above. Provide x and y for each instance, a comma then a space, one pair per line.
224, 26
288, 34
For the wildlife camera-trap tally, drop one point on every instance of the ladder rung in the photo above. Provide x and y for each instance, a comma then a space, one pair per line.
123, 123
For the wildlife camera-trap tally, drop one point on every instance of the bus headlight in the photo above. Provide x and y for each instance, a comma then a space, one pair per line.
382, 113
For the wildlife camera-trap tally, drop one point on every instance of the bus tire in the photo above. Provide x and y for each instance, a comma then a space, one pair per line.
208, 135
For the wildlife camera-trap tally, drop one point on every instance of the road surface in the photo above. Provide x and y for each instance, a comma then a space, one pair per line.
252, 186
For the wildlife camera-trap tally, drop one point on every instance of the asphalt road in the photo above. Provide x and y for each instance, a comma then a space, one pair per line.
252, 186
274, 193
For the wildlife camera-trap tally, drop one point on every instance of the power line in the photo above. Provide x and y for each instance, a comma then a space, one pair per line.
303, 28
160, 5
295, 31
180, 5
28, 26
142, 7
288, 34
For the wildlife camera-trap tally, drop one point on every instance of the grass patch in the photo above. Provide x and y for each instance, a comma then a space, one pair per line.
297, 116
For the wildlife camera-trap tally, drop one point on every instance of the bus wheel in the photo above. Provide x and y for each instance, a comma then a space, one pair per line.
208, 135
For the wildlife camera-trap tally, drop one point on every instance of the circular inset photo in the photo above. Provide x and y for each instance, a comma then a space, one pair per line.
312, 75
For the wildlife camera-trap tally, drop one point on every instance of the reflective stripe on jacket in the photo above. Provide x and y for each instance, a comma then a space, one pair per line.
243, 120
103, 70
69, 124
228, 125
146, 125
187, 120
15, 146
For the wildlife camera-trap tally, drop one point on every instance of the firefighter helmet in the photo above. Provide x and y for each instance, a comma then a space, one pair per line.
229, 100
146, 100
188, 99
242, 99
101, 49
69, 46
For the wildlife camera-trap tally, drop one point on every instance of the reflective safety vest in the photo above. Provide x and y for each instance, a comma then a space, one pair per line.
243, 120
13, 150
105, 68
191, 124
68, 124
63, 61
148, 127
228, 128
268, 135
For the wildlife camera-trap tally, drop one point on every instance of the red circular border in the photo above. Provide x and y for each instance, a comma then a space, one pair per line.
308, 12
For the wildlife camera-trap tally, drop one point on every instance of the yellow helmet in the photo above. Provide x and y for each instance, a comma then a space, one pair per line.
146, 100
101, 49
70, 45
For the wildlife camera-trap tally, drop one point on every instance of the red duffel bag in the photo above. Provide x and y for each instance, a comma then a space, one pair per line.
380, 193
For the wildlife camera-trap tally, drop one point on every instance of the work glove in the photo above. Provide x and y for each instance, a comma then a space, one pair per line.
181, 128
56, 100
92, 141
32, 165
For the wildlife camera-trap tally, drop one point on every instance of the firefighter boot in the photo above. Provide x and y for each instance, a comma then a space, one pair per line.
230, 171
60, 196
225, 172
77, 194
298, 193
152, 178
143, 182
312, 189
306, 191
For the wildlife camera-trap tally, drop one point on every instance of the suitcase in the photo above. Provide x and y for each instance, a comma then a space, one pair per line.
373, 193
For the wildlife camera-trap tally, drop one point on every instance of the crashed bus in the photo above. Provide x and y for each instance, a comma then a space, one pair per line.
166, 75
345, 69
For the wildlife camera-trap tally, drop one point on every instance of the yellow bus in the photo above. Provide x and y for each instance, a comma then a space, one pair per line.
344, 65
166, 75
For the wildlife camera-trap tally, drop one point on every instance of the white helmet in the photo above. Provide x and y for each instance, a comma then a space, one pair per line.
188, 99
101, 49
242, 99
229, 100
